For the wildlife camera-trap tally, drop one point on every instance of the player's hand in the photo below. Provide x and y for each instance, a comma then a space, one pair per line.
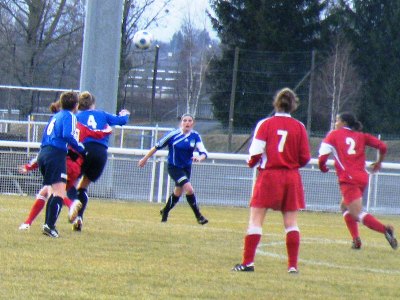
142, 162
198, 158
124, 112
23, 169
376, 166
253, 160
323, 168
107, 129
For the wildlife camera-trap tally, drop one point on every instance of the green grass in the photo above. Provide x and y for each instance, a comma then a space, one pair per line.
125, 252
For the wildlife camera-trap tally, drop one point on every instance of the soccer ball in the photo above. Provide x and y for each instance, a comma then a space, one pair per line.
142, 39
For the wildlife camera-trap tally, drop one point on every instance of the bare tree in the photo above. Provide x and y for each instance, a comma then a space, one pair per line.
338, 84
194, 58
136, 17
39, 36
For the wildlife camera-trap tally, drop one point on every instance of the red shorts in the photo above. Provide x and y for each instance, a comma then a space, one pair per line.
73, 171
351, 192
278, 190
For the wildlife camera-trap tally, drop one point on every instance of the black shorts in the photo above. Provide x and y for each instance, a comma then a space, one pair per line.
95, 161
52, 165
179, 175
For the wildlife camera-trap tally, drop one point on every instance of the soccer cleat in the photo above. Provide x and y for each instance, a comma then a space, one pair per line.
202, 221
50, 232
77, 225
243, 268
74, 210
391, 238
292, 270
164, 215
24, 226
356, 244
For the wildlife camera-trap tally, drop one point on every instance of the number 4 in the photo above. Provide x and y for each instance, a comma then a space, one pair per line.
283, 134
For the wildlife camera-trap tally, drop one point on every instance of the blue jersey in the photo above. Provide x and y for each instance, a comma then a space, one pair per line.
181, 147
60, 132
98, 119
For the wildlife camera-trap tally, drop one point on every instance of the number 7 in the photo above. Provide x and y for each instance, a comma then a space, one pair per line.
283, 134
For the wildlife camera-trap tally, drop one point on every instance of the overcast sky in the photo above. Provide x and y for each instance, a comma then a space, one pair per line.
178, 10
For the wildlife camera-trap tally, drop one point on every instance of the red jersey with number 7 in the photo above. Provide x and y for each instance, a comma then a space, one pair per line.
282, 143
348, 148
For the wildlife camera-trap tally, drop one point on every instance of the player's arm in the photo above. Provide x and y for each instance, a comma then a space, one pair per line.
324, 151
202, 151
85, 132
382, 149
121, 119
159, 145
149, 154
256, 150
32, 165
304, 155
69, 132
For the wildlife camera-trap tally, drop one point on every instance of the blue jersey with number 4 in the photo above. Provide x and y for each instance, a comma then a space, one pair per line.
60, 132
98, 119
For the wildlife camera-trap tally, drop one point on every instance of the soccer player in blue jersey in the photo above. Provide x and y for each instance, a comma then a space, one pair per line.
58, 134
96, 157
181, 144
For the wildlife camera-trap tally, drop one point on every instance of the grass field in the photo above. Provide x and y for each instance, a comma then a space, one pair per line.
125, 252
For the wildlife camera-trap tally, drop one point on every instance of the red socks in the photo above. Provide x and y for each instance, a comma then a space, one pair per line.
292, 247
351, 224
67, 202
250, 246
371, 222
35, 210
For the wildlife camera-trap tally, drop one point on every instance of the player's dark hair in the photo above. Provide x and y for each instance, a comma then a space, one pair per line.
86, 100
286, 100
350, 120
68, 100
55, 107
187, 115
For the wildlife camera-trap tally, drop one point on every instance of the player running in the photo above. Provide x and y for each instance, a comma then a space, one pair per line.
347, 144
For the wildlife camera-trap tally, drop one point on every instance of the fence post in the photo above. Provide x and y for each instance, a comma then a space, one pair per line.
233, 95
310, 92
153, 88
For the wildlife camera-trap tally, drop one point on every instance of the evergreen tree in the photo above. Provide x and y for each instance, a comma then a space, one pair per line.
255, 26
375, 34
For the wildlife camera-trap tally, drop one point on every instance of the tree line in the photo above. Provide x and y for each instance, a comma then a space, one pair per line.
357, 57
338, 54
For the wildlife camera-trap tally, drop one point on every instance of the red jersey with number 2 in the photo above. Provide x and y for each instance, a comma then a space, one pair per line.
348, 148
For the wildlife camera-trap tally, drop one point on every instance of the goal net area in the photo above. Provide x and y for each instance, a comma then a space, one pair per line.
221, 180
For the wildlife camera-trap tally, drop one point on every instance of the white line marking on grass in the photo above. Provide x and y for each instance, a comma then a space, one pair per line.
322, 263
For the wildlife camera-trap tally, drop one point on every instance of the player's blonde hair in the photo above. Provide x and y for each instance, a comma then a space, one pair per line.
286, 100
86, 100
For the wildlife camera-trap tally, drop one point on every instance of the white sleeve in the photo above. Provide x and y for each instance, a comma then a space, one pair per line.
257, 147
325, 149
201, 148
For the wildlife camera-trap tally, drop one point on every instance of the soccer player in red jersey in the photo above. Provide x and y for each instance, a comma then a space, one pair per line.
347, 144
279, 148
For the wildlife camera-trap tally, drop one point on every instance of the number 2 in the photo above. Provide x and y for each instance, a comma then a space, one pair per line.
283, 134
352, 145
